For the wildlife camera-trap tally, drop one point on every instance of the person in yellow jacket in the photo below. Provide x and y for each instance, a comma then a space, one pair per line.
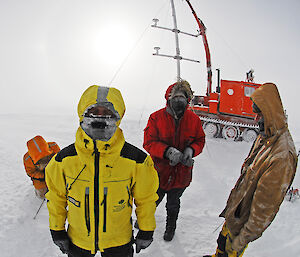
266, 176
94, 182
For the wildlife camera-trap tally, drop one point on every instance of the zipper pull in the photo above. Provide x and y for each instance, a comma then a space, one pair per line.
87, 210
105, 195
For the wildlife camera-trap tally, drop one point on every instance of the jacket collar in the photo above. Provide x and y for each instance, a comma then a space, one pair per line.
87, 144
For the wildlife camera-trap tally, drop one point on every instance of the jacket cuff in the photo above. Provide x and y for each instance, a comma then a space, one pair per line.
39, 179
236, 244
145, 235
59, 234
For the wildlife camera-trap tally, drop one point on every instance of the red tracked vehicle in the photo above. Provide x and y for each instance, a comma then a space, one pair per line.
227, 112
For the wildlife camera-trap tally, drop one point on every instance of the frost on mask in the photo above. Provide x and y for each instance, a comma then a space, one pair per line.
99, 123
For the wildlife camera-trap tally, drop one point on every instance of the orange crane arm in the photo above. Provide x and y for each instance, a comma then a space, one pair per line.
202, 29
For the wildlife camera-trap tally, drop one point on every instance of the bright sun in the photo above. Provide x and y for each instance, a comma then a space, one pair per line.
113, 43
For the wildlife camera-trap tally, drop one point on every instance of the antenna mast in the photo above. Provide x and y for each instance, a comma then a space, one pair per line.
177, 56
175, 30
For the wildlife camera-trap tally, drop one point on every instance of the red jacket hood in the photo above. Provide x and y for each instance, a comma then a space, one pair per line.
168, 92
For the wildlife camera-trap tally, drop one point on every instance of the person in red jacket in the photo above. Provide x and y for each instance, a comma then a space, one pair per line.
36, 159
173, 136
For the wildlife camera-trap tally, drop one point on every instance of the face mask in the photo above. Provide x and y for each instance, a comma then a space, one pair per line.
99, 128
261, 125
260, 122
178, 104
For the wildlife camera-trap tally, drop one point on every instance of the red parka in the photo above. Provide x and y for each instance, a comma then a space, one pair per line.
161, 132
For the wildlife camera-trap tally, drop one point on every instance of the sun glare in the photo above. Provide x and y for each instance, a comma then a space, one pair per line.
113, 43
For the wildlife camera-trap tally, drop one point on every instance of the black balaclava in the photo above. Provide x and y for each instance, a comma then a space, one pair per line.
178, 104
260, 121
261, 125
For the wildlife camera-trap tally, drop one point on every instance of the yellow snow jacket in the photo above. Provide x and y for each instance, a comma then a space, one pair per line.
266, 174
93, 184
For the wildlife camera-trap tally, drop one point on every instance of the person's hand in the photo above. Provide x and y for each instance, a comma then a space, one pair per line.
143, 240
236, 245
173, 155
61, 239
142, 244
187, 157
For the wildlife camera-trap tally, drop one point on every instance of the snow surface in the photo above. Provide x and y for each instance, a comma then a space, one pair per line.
215, 173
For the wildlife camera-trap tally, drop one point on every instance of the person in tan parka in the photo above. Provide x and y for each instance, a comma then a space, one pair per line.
266, 175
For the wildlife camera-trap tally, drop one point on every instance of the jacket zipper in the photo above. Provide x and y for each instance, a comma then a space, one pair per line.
175, 145
104, 203
87, 210
129, 195
96, 196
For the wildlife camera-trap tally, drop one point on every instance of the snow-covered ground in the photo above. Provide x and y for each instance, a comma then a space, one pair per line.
215, 173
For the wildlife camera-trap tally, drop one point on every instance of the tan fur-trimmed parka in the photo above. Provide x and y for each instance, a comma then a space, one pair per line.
266, 174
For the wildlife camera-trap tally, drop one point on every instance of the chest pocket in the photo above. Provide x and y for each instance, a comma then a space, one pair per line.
75, 186
118, 193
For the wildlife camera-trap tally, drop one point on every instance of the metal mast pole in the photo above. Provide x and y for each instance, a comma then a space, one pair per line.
176, 31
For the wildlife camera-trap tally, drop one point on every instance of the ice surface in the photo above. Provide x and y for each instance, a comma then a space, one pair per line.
215, 173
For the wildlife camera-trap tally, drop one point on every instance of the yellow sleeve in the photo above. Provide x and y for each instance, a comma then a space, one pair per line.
56, 195
144, 193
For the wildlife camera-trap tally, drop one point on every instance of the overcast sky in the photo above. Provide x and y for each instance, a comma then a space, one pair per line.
52, 50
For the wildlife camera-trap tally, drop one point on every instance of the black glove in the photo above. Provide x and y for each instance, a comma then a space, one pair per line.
187, 157
61, 239
143, 240
173, 155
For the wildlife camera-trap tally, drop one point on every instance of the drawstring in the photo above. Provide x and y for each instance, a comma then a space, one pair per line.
76, 178
174, 113
106, 146
85, 142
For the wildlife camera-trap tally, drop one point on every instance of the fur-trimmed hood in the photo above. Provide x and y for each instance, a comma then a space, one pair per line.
267, 98
183, 86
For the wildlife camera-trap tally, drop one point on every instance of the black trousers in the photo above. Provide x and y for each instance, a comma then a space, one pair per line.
119, 251
173, 198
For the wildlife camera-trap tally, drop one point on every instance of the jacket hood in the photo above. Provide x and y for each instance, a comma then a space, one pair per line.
183, 86
105, 96
268, 100
38, 148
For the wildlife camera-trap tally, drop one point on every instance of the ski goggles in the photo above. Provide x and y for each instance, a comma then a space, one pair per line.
101, 111
99, 122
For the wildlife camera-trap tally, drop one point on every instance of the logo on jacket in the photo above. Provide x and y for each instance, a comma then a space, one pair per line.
120, 206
